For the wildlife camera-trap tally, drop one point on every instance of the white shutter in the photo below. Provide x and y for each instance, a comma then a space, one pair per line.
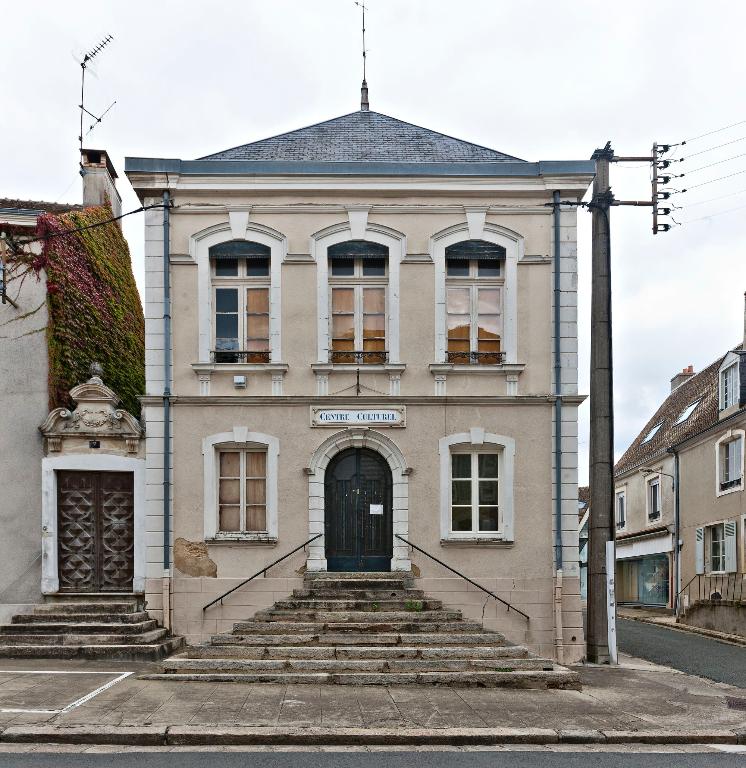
737, 447
730, 546
699, 550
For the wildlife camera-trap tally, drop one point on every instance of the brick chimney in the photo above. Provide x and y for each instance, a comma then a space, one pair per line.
99, 180
680, 378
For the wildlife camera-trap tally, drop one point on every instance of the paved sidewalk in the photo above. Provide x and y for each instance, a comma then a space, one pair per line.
636, 702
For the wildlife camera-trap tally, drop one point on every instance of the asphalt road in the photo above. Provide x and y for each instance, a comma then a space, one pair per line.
690, 653
412, 759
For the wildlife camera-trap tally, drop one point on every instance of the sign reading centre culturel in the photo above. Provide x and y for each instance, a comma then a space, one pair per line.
358, 417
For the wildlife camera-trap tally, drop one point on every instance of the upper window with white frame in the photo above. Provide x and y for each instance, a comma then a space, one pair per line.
475, 279
729, 386
241, 490
730, 461
240, 272
358, 300
475, 507
621, 510
654, 499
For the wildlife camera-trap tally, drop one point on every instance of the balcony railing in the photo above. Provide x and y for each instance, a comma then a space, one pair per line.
357, 357
238, 356
476, 358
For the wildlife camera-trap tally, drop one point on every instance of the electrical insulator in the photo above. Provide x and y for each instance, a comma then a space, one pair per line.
662, 195
662, 228
664, 211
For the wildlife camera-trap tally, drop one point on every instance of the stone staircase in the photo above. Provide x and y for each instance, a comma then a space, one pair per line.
364, 629
89, 627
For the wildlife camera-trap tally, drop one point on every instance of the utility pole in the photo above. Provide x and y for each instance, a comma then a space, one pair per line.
601, 518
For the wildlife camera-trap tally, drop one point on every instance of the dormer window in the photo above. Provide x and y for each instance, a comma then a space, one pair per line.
474, 302
687, 412
241, 298
729, 386
358, 288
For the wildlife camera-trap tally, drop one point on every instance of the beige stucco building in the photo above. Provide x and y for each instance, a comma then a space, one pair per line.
353, 343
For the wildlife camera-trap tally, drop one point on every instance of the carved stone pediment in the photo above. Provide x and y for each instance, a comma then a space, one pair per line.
95, 417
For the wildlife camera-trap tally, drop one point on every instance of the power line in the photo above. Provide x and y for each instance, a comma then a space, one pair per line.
711, 181
710, 149
712, 199
717, 130
52, 235
713, 215
717, 162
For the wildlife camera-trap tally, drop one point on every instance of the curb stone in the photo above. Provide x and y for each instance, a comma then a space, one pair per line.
196, 735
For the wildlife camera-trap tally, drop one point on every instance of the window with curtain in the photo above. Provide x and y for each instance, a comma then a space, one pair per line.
731, 454
729, 386
242, 491
654, 499
474, 299
358, 286
241, 285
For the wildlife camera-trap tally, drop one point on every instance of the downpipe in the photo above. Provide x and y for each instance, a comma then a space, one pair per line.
166, 581
558, 629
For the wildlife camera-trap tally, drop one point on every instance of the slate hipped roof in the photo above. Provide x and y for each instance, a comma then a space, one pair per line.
702, 387
364, 137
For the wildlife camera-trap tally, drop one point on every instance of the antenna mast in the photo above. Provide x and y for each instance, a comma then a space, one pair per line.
83, 65
364, 104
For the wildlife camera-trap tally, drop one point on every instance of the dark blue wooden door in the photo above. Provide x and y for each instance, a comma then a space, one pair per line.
358, 512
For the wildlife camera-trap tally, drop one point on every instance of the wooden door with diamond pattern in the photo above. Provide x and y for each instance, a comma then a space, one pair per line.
95, 531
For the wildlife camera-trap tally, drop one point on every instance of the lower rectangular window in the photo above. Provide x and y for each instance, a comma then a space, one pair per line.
475, 493
242, 491
717, 547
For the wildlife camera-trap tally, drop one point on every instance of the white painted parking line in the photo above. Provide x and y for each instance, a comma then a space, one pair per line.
82, 700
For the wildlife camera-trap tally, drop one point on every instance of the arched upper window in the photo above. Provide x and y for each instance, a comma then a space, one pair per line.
240, 272
358, 298
475, 279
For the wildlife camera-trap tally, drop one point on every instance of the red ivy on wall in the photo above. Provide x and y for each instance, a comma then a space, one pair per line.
94, 307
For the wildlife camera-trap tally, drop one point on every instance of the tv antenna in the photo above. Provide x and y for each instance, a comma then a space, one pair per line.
84, 62
364, 103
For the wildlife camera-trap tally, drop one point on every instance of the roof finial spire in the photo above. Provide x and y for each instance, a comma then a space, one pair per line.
364, 104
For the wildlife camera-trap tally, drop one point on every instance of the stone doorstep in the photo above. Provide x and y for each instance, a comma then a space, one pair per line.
196, 735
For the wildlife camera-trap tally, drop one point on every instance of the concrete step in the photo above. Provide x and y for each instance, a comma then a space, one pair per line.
122, 652
378, 604
228, 651
353, 639
75, 638
356, 583
371, 626
564, 679
83, 618
281, 615
87, 606
321, 593
180, 664
82, 627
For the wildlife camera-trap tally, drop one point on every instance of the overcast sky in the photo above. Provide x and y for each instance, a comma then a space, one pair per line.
540, 80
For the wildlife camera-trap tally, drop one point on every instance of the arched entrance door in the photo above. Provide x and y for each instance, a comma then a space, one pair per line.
358, 511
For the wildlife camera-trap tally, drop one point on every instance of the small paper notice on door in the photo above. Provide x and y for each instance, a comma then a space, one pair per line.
376, 509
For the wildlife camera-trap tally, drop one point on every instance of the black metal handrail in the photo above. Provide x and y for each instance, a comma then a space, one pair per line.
465, 578
262, 572
712, 586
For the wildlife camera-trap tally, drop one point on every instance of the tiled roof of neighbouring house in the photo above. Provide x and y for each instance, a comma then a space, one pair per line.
12, 204
702, 387
364, 137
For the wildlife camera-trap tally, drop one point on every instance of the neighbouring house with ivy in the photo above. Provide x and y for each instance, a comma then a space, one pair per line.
70, 451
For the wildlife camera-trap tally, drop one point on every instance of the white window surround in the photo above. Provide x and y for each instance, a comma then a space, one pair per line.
242, 438
340, 233
649, 481
237, 228
731, 363
731, 434
477, 439
357, 437
620, 493
50, 582
492, 233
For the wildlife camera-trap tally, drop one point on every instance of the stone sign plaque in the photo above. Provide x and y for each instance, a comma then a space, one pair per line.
358, 417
